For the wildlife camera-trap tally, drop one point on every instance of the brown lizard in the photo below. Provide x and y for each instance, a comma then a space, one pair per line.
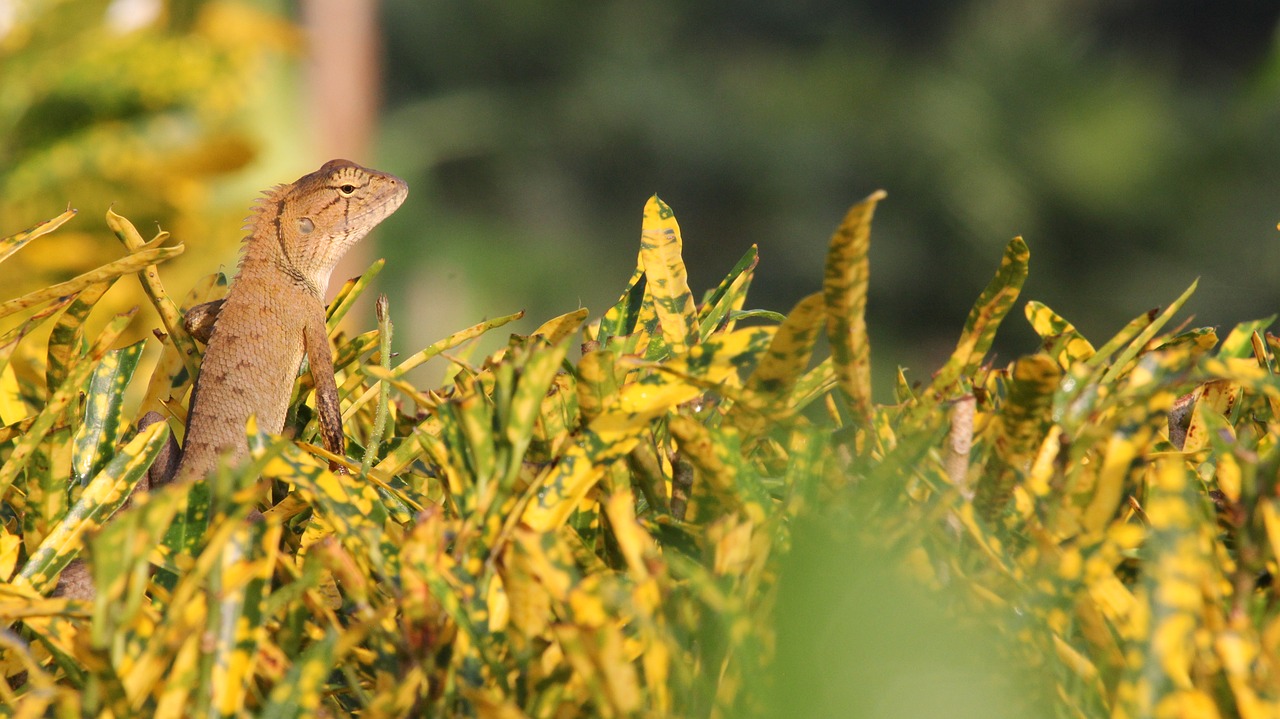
274, 313
272, 316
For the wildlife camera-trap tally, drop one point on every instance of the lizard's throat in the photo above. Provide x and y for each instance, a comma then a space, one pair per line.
284, 262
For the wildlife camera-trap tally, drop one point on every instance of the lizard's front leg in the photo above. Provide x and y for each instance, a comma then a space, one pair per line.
199, 320
330, 412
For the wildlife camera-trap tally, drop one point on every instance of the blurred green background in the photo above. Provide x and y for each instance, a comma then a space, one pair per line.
1133, 143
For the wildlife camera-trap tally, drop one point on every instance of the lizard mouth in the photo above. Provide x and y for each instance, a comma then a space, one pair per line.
381, 205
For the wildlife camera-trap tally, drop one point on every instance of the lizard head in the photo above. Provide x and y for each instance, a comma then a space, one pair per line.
321, 215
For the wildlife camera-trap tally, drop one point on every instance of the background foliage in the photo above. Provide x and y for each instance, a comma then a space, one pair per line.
158, 113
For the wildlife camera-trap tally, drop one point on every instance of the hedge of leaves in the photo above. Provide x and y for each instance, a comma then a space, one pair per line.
594, 520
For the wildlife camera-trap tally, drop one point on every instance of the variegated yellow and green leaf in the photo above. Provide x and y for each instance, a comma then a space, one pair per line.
347, 295
9, 340
120, 555
1122, 338
723, 305
66, 340
660, 253
598, 380
1196, 342
448, 343
101, 497
844, 289
350, 507
621, 320
1061, 338
236, 621
104, 413
523, 407
149, 276
13, 243
123, 266
815, 384
560, 328
67, 393
770, 387
716, 455
302, 690
1139, 343
1238, 342
619, 427
980, 327
1016, 435
1161, 639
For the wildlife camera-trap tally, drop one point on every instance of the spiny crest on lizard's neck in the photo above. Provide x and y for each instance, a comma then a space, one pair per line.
304, 228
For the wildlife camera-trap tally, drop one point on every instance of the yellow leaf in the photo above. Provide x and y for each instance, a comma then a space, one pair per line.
499, 604
12, 408
9, 546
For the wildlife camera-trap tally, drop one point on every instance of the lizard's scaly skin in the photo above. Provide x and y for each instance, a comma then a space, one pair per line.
274, 311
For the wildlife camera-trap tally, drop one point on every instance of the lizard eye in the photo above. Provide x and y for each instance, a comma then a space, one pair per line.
347, 190
305, 225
